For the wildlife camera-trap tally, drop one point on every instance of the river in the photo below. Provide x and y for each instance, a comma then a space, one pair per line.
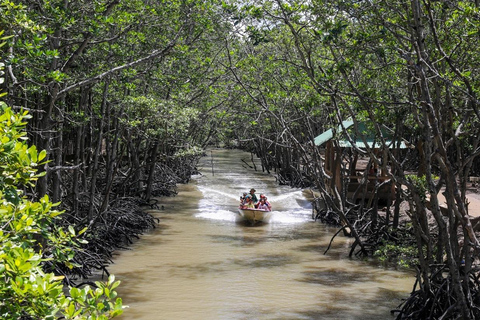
200, 263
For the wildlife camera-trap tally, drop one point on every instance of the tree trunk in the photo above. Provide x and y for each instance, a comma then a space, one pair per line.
96, 155
151, 171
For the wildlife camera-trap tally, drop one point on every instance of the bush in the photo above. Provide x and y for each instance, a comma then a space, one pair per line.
29, 237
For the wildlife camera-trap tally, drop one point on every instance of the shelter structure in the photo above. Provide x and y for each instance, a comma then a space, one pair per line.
349, 169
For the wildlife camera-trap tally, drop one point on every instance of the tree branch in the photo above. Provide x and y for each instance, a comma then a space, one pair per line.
152, 55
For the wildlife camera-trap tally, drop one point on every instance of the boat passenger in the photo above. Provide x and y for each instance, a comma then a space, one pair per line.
262, 196
248, 203
253, 195
242, 198
262, 205
267, 203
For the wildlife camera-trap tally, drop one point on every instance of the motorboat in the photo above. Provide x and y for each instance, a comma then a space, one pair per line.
254, 215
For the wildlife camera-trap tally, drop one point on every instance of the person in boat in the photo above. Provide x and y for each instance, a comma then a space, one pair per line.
248, 203
267, 203
254, 196
262, 205
242, 198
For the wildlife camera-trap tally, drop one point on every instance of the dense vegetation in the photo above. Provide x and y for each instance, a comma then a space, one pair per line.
125, 94
33, 244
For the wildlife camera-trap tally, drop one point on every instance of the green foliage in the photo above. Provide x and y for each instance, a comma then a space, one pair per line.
29, 238
190, 152
405, 256
420, 184
17, 160
99, 303
158, 119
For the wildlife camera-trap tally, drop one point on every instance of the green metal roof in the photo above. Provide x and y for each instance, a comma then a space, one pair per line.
363, 131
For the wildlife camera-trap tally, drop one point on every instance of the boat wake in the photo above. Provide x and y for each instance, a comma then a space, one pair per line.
221, 197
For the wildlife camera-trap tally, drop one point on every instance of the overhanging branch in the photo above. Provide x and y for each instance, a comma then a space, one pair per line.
154, 54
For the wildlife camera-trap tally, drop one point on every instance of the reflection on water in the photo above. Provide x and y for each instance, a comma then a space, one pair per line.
200, 263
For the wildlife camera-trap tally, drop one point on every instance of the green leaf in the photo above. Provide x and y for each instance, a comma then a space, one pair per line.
42, 155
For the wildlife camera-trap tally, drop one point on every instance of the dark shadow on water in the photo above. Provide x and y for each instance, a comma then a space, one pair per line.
338, 314
332, 254
367, 309
248, 224
266, 261
194, 271
256, 236
334, 277
314, 248
238, 241
147, 239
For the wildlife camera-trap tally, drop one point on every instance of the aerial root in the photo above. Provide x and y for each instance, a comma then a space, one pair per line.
439, 301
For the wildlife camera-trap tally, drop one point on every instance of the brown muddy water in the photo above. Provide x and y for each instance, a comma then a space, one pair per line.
200, 263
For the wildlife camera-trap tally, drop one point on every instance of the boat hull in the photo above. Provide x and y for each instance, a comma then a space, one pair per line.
255, 215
